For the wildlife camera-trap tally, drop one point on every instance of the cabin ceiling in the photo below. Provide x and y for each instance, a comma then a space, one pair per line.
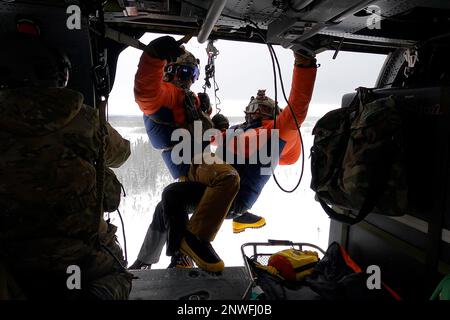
312, 24
315, 24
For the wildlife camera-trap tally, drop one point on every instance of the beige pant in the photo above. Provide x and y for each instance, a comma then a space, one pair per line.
222, 182
104, 278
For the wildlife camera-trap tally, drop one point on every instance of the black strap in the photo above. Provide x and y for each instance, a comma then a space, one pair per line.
280, 242
189, 106
363, 212
102, 89
306, 267
100, 165
374, 194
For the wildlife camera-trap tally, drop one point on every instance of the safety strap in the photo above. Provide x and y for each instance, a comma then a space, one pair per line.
102, 89
189, 106
100, 166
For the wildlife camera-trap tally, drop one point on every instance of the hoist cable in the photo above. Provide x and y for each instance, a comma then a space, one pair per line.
210, 73
276, 62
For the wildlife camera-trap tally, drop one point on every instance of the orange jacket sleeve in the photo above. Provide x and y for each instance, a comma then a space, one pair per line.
300, 96
150, 91
301, 92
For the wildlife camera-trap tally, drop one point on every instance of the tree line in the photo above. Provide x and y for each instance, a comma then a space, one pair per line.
144, 171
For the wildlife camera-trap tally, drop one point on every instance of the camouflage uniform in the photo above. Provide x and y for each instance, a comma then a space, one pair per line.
49, 142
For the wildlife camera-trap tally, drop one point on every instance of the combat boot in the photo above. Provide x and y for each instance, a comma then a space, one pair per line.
202, 253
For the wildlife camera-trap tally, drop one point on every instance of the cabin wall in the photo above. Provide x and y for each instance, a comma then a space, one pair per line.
53, 24
413, 251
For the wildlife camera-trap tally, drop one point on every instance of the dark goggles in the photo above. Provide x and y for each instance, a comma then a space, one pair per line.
183, 72
259, 108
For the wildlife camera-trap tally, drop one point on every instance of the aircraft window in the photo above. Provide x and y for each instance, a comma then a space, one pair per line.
241, 69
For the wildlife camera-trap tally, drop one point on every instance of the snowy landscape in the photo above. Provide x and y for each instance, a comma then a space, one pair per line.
290, 216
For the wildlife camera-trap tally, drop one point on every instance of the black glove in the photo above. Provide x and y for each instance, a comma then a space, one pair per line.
165, 48
305, 59
220, 122
205, 104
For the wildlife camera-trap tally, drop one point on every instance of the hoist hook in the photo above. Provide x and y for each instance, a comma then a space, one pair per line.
210, 70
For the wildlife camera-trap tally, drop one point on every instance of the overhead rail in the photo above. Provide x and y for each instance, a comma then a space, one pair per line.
213, 15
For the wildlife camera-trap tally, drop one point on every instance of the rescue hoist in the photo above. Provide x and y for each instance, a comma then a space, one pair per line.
210, 73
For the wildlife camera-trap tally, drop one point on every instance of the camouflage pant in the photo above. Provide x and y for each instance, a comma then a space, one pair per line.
115, 285
9, 290
45, 277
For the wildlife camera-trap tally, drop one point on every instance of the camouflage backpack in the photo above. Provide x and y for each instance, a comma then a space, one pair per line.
49, 144
357, 160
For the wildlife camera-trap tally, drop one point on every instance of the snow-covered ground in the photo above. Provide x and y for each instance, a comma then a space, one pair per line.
290, 216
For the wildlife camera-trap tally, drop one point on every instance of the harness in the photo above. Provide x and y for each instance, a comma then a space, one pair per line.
192, 114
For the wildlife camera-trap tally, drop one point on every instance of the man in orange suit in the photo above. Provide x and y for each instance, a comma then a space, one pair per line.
166, 72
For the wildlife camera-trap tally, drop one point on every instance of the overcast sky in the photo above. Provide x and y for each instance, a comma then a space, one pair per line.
243, 68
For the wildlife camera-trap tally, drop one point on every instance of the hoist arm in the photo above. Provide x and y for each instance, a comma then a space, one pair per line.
132, 42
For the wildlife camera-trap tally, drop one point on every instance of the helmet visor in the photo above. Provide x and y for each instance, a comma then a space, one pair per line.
185, 73
259, 108
252, 108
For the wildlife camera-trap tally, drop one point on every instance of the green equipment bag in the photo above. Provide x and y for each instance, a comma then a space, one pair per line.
442, 291
357, 160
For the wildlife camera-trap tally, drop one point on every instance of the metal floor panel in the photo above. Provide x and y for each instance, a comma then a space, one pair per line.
189, 284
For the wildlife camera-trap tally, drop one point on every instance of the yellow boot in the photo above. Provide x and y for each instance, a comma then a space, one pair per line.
202, 253
247, 220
